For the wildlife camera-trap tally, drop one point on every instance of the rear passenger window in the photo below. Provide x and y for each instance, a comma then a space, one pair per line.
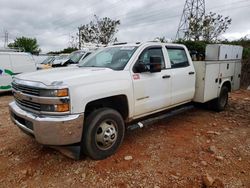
178, 57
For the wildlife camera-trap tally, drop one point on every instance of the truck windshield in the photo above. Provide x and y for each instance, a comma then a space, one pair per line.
114, 58
48, 60
76, 56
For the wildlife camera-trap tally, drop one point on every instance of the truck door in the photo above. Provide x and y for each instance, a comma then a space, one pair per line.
152, 91
183, 75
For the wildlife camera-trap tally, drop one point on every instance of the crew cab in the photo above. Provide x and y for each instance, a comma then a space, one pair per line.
91, 105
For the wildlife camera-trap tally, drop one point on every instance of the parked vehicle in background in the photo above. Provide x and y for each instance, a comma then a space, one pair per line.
117, 87
60, 60
46, 63
77, 56
13, 63
65, 60
40, 58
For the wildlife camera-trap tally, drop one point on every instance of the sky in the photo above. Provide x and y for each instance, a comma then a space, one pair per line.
53, 22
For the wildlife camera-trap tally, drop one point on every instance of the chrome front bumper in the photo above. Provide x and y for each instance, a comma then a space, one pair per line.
49, 130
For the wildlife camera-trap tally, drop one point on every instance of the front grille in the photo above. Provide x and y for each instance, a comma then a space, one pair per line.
23, 96
26, 89
32, 98
28, 104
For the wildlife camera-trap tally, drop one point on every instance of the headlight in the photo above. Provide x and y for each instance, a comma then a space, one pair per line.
55, 107
54, 92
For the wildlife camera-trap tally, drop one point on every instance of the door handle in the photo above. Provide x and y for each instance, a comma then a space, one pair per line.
191, 73
166, 76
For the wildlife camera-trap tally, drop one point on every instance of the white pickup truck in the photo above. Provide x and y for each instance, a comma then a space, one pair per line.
92, 104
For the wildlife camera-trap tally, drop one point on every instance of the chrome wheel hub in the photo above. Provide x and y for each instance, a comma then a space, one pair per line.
106, 134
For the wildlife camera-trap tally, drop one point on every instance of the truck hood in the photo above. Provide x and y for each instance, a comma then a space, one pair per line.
69, 75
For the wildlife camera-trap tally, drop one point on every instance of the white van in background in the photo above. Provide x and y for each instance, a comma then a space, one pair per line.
13, 63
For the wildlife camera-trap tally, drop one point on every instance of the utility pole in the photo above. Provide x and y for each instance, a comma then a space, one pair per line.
6, 38
194, 9
79, 29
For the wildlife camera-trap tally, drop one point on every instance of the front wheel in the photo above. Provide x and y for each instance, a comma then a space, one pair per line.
103, 133
221, 102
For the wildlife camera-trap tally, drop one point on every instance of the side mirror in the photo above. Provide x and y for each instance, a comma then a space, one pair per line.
141, 67
155, 64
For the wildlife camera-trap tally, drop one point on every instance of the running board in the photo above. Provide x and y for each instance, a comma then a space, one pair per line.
153, 120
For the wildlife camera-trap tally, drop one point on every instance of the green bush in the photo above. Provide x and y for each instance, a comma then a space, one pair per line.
200, 46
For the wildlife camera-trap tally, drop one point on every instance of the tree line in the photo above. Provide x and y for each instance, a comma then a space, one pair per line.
102, 31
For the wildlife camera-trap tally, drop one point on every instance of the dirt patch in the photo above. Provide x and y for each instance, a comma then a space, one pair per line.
191, 149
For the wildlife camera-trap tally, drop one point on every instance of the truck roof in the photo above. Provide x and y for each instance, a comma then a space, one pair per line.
147, 43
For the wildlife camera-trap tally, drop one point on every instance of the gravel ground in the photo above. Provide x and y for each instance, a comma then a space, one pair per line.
198, 148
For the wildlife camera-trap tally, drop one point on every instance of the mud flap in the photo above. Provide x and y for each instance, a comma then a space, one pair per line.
72, 151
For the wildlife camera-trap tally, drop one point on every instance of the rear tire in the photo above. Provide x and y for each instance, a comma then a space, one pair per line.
220, 103
103, 133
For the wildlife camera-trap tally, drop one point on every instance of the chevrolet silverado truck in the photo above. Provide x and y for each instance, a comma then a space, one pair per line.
92, 104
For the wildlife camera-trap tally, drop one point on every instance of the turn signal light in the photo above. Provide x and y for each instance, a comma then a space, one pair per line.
62, 107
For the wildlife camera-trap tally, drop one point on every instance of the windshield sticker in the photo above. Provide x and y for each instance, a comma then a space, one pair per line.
127, 48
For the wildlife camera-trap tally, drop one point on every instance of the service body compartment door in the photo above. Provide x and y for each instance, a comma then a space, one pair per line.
207, 80
237, 75
211, 81
227, 69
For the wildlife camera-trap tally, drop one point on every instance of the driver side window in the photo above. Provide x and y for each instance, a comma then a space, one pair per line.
145, 57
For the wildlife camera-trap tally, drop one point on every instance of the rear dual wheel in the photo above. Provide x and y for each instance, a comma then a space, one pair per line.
220, 103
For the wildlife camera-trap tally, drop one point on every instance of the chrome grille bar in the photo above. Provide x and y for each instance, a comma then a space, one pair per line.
26, 89
28, 104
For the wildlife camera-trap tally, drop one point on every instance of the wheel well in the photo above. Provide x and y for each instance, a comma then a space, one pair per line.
118, 102
228, 85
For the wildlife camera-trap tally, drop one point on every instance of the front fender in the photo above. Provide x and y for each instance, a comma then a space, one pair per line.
81, 95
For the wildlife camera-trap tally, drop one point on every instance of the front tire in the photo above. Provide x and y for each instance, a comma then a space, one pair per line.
221, 102
103, 133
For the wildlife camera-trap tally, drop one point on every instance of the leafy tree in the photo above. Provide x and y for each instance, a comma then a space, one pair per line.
64, 51
207, 28
73, 41
99, 31
26, 44
194, 46
245, 42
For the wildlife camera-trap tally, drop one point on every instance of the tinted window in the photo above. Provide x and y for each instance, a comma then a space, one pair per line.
154, 52
178, 57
